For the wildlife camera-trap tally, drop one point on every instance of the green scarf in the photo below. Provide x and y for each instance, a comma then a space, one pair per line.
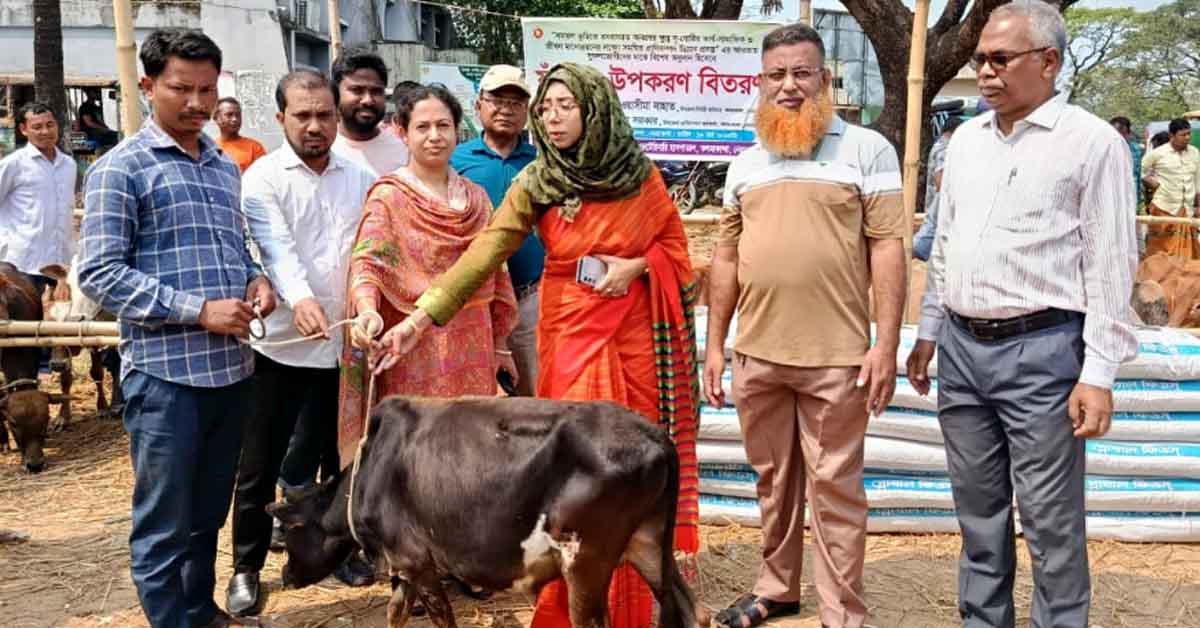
605, 164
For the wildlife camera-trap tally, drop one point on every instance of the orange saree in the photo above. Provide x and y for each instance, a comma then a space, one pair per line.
637, 350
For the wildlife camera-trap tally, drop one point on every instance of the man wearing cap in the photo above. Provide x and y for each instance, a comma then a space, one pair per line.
492, 160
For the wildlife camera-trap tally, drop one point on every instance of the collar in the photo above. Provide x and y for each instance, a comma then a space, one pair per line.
155, 137
837, 126
1046, 115
34, 153
290, 160
523, 148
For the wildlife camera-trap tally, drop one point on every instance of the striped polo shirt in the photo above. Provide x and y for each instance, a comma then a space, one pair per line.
801, 226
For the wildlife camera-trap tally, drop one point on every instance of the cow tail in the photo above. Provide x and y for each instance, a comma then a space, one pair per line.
678, 604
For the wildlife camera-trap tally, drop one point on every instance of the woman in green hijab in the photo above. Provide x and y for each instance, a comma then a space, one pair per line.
616, 292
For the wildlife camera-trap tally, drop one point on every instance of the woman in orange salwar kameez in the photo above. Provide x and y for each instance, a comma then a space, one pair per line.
629, 339
416, 223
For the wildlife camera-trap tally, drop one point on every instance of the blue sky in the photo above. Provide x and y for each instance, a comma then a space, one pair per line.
791, 8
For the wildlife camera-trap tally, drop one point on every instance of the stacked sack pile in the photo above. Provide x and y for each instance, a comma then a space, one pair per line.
1143, 480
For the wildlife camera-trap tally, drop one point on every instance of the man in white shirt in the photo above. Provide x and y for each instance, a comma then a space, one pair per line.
360, 80
1028, 302
37, 198
302, 205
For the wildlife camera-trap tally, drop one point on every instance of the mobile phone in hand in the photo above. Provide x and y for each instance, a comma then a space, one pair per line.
590, 270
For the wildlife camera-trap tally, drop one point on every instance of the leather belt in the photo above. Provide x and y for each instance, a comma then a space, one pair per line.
999, 329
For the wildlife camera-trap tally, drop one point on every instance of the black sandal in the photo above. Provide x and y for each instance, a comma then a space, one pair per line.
755, 608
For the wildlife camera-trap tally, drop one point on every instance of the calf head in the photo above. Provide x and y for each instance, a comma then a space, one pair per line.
317, 536
26, 412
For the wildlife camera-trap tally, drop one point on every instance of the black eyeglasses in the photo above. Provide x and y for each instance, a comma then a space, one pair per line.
1000, 60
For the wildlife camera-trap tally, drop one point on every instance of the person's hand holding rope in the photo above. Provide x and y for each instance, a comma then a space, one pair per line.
398, 341
367, 326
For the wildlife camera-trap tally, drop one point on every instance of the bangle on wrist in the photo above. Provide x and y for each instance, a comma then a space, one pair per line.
373, 314
504, 352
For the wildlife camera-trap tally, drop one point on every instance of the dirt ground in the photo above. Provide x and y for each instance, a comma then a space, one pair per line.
73, 570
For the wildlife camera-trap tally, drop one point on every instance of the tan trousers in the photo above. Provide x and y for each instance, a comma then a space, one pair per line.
804, 431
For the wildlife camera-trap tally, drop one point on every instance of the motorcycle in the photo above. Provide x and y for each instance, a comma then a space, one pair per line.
695, 184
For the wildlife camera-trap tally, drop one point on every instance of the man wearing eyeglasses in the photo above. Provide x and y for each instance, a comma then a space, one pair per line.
1027, 300
493, 160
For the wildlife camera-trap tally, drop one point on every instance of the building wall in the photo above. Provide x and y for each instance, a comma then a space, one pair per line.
252, 45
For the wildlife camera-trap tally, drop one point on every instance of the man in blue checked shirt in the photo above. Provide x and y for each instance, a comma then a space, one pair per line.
163, 247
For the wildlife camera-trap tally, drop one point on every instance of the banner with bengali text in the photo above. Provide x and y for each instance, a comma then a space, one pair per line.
687, 87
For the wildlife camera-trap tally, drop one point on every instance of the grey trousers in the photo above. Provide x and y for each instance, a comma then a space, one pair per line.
523, 344
1003, 413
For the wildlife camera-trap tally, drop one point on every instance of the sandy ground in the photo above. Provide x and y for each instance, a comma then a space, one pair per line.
74, 568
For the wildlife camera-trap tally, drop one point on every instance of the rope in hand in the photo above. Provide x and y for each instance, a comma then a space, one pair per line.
256, 337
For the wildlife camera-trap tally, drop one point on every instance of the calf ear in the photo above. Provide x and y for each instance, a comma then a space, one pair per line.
288, 514
54, 271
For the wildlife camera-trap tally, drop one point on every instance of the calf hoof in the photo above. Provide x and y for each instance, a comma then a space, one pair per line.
355, 572
37, 467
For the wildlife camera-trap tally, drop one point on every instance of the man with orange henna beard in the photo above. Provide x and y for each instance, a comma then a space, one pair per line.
812, 219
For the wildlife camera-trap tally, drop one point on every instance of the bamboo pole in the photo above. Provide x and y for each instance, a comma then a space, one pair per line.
55, 328
916, 91
131, 111
335, 29
806, 15
60, 341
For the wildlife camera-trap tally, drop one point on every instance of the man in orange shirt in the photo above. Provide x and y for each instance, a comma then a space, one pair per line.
242, 150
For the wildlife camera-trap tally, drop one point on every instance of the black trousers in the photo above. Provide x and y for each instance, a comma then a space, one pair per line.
282, 396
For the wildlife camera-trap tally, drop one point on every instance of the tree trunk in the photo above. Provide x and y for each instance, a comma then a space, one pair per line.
48, 81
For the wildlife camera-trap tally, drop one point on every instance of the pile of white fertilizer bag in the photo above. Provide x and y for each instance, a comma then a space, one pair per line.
1143, 481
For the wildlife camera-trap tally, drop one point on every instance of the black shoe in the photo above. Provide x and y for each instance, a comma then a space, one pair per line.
225, 620
243, 596
278, 537
355, 572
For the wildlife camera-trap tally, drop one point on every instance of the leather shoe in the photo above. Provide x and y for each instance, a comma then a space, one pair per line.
355, 572
224, 620
243, 596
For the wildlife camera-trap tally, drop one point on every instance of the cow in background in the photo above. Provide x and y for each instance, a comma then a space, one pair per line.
24, 410
1167, 291
67, 303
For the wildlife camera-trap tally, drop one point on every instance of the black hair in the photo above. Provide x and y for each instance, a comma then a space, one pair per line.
184, 43
405, 105
1177, 125
1123, 122
402, 88
307, 79
228, 100
34, 108
792, 34
355, 59
1160, 138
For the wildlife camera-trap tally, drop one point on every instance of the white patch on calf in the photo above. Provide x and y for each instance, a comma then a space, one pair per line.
60, 311
540, 546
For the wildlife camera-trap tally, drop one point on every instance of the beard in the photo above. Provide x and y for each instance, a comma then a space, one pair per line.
350, 119
794, 133
309, 151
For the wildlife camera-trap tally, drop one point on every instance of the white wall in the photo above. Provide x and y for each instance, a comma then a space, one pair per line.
254, 60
